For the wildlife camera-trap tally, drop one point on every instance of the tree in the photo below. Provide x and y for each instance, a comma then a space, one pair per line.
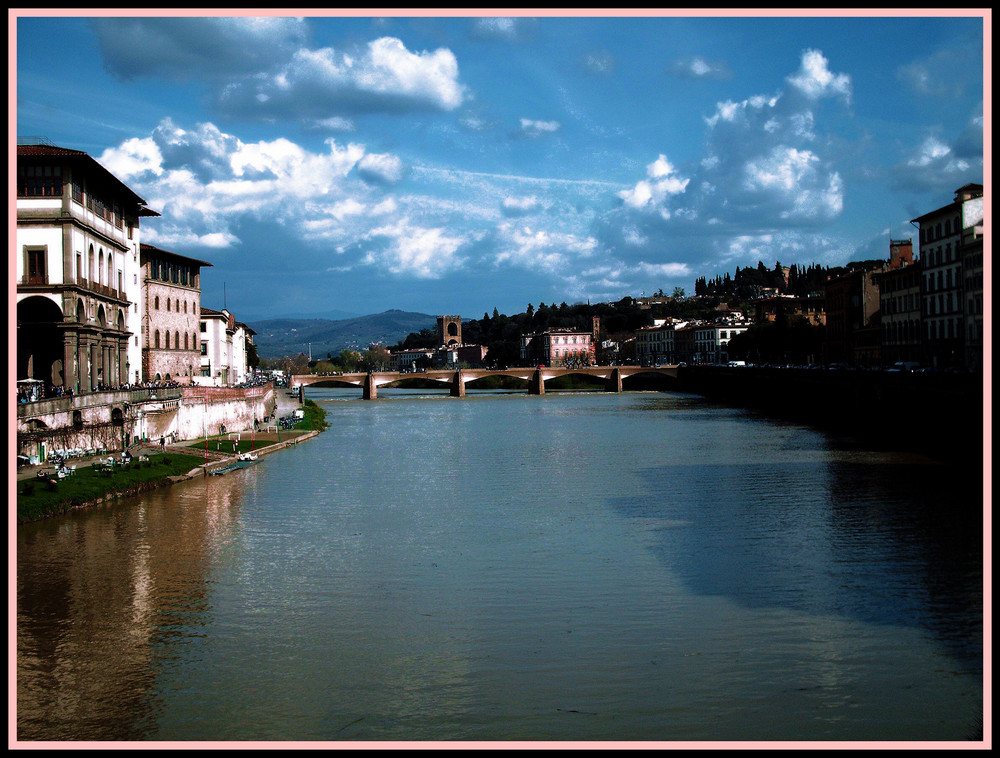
348, 360
375, 358
678, 293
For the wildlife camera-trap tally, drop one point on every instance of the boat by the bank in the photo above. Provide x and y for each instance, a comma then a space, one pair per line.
233, 467
249, 456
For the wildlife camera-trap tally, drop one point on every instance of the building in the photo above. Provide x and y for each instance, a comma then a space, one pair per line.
171, 296
658, 343
711, 341
471, 356
411, 360
853, 330
972, 276
944, 299
812, 308
558, 347
449, 330
900, 304
224, 345
79, 309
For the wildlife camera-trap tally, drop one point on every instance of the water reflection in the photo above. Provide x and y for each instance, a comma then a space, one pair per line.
871, 540
511, 567
104, 595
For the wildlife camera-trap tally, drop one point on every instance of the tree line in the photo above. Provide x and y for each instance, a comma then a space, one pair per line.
787, 339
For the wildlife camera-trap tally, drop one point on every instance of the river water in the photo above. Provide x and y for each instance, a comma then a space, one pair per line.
578, 566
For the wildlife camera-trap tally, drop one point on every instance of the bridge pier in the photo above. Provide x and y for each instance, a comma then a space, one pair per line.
536, 385
614, 382
370, 390
458, 385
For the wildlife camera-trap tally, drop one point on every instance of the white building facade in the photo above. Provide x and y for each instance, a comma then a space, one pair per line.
224, 349
79, 309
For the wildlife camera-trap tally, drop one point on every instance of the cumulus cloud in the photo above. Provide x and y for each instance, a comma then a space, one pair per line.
815, 80
323, 83
764, 176
208, 184
196, 48
412, 250
940, 166
662, 182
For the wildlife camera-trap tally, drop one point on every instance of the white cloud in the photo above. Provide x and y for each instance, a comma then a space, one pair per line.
411, 250
519, 206
663, 184
697, 67
533, 128
815, 80
133, 157
542, 249
381, 168
325, 83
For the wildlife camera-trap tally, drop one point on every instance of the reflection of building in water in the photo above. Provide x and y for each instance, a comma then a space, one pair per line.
100, 595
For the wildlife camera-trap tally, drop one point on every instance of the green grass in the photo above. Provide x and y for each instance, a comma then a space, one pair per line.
222, 444
37, 499
314, 419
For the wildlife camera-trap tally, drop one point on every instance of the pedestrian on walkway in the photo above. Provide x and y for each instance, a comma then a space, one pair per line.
163, 444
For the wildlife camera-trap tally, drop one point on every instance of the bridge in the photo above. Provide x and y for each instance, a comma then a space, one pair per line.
456, 379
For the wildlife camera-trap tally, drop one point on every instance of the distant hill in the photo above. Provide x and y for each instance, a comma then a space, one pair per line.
327, 315
290, 336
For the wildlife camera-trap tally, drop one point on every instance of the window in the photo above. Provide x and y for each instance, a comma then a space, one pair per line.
156, 338
168, 303
204, 348
77, 193
36, 265
156, 302
39, 181
166, 340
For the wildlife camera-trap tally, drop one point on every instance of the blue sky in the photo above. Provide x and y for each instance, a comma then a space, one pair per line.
461, 164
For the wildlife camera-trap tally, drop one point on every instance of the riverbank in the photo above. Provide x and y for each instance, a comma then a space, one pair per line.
93, 481
938, 415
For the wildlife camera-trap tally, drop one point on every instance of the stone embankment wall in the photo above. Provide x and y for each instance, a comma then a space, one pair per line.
111, 420
206, 409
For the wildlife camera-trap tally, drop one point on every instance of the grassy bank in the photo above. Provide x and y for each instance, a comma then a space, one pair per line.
38, 499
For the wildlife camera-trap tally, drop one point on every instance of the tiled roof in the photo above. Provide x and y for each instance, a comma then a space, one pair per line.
47, 150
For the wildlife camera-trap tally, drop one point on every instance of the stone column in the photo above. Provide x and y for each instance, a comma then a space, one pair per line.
106, 358
458, 385
69, 359
536, 385
614, 382
370, 391
123, 360
95, 361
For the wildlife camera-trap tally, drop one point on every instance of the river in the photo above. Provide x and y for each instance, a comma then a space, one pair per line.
571, 566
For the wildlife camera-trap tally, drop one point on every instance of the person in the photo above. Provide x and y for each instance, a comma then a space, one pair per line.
163, 444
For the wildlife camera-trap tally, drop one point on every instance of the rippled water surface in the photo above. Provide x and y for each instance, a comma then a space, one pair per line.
641, 566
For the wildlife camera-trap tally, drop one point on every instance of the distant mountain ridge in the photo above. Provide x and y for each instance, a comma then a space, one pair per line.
280, 337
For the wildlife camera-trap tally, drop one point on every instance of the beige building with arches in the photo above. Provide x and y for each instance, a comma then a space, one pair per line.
77, 269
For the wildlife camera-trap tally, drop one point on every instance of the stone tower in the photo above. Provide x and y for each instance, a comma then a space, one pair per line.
449, 329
